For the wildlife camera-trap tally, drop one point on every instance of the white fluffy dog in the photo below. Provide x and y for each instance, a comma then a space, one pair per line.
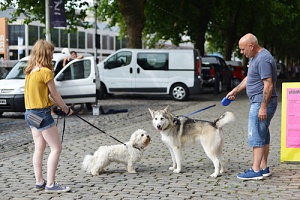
129, 154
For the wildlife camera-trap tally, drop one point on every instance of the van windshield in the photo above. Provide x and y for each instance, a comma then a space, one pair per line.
17, 72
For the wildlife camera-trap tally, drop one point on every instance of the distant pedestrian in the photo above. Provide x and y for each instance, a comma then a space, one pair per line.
39, 84
260, 85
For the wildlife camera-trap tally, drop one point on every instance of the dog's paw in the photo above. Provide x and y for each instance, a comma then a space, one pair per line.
214, 175
223, 171
176, 171
95, 174
132, 172
171, 168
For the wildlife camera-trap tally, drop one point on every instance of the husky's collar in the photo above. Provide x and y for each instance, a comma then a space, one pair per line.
176, 122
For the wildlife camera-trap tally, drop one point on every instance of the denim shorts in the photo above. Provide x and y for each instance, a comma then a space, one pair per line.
44, 113
258, 130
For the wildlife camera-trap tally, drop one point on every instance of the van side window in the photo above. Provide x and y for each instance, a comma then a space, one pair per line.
119, 60
78, 70
153, 61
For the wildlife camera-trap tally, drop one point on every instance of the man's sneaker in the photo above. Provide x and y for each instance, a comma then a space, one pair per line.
266, 172
40, 187
56, 188
250, 174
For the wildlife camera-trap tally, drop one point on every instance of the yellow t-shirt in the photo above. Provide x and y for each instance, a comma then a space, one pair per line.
36, 92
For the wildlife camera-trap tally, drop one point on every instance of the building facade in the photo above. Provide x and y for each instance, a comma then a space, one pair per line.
17, 38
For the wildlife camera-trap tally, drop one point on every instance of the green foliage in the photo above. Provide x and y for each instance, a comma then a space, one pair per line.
218, 23
109, 12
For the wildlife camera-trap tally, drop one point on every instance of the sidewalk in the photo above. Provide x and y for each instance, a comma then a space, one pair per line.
153, 179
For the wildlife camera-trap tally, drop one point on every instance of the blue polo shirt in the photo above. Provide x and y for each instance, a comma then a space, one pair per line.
260, 67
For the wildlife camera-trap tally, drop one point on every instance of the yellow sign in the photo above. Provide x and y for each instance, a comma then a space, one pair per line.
290, 122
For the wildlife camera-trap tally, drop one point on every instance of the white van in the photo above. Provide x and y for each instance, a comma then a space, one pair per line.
77, 82
176, 72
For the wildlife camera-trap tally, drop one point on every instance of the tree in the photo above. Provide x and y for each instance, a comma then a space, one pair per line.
129, 15
172, 20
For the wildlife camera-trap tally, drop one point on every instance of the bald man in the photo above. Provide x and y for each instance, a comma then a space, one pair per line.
260, 85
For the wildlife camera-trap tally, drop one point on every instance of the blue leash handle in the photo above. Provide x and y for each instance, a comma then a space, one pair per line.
199, 110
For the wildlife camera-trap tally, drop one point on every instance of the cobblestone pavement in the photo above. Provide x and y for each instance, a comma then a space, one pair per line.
153, 180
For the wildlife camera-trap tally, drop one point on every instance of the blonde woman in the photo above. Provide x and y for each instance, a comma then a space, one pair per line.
39, 84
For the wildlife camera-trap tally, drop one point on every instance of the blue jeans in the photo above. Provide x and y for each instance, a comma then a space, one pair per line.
258, 130
45, 113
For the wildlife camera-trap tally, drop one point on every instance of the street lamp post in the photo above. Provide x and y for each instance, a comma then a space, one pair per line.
95, 43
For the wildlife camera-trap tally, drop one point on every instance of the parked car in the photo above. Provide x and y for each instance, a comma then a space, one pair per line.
216, 74
174, 72
77, 82
238, 73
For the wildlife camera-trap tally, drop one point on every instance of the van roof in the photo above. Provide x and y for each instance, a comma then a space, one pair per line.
155, 50
56, 57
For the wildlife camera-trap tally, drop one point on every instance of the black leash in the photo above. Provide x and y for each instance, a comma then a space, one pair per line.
64, 127
99, 129
192, 113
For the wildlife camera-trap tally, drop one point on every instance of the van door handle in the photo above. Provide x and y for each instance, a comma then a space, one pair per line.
138, 70
130, 70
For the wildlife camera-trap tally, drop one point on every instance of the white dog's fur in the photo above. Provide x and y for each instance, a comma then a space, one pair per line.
177, 133
129, 154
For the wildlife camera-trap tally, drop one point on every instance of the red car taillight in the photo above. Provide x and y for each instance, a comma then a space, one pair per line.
212, 72
198, 67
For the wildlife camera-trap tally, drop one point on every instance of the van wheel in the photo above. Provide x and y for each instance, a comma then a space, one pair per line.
102, 91
179, 92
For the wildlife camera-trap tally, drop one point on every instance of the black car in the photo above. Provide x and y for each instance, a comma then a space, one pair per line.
216, 73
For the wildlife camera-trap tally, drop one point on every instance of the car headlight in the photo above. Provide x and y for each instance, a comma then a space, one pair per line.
20, 90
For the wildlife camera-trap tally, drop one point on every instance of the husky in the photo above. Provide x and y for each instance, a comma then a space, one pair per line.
180, 132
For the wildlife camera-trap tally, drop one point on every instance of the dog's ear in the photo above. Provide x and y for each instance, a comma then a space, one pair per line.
151, 112
133, 138
166, 109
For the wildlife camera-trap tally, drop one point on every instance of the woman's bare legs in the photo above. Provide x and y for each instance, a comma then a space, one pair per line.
52, 138
39, 149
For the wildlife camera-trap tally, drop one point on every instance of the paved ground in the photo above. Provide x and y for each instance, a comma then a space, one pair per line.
153, 179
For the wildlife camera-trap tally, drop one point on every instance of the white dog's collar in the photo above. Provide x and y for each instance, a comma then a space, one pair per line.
139, 148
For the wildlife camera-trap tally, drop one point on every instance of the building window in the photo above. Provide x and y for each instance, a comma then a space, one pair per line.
55, 37
81, 39
98, 42
33, 32
90, 41
42, 33
120, 43
63, 39
15, 31
111, 43
73, 40
104, 42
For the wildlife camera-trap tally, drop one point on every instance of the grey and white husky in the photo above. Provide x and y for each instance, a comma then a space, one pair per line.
178, 132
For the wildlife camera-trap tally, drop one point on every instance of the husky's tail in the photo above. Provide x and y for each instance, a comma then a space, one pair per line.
87, 163
224, 119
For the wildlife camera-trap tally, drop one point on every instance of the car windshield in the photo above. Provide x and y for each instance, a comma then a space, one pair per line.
209, 60
17, 72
